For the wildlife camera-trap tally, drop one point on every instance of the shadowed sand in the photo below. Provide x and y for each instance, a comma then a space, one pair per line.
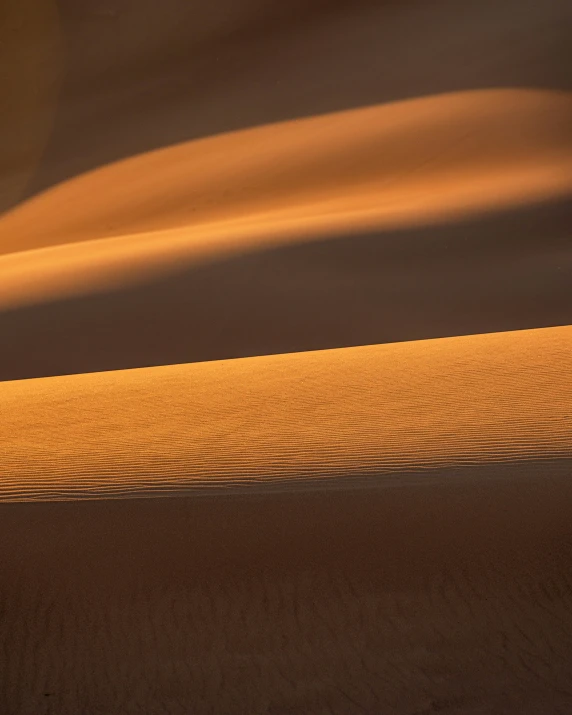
451, 597
509, 270
142, 75
380, 529
390, 533
381, 224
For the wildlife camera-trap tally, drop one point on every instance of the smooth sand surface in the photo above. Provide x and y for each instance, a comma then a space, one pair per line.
388, 165
338, 230
143, 75
369, 204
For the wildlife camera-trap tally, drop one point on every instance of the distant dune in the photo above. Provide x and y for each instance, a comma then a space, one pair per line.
395, 164
327, 232
286, 357
144, 75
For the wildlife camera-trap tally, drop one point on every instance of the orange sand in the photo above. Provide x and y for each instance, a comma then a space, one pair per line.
298, 236
312, 528
358, 417
386, 166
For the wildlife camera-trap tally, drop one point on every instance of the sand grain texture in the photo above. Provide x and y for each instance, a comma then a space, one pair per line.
298, 420
378, 529
285, 357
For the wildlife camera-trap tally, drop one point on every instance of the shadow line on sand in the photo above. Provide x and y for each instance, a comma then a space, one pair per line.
501, 272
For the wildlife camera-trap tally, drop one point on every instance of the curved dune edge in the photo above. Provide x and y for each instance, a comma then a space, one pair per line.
143, 75
514, 144
355, 288
406, 164
98, 265
348, 417
452, 594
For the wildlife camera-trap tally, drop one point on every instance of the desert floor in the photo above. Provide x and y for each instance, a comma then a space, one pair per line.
286, 357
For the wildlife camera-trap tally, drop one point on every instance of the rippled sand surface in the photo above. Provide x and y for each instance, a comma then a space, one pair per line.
286, 358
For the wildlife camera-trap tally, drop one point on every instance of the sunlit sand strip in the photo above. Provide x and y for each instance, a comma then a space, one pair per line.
351, 417
55, 272
382, 159
406, 164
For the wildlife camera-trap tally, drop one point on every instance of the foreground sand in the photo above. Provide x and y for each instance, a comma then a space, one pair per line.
342, 418
379, 529
451, 597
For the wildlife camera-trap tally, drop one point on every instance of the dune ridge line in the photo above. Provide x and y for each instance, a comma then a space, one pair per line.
290, 421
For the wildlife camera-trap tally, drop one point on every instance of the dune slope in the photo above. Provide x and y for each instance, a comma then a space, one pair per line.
148, 74
310, 527
387, 165
305, 420
388, 223
378, 529
510, 270
452, 598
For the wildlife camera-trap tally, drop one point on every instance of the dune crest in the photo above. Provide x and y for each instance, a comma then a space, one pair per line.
429, 155
155, 73
340, 417
285, 357
403, 164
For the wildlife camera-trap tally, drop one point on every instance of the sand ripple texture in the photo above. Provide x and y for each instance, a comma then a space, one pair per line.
373, 414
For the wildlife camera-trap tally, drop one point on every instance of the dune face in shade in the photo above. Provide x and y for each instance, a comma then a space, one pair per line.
349, 515
285, 357
381, 224
31, 62
144, 75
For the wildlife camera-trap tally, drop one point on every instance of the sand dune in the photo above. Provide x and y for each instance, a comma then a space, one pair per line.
312, 527
505, 271
390, 165
381, 529
410, 190
446, 598
305, 420
139, 76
